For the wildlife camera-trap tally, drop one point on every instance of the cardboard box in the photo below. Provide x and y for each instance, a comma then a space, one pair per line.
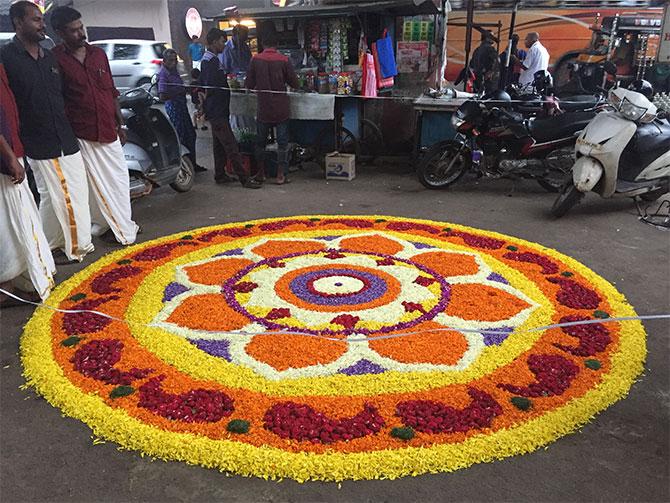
340, 166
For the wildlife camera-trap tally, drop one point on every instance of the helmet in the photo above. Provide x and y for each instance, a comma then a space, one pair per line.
642, 87
498, 95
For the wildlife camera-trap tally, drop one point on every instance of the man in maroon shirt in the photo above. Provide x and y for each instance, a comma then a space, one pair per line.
93, 112
271, 71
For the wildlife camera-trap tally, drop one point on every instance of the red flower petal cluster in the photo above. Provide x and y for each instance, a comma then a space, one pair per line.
429, 416
233, 232
160, 251
245, 286
553, 375
593, 338
96, 359
477, 241
194, 406
278, 313
282, 224
574, 295
409, 226
346, 320
301, 422
548, 267
86, 323
104, 284
350, 222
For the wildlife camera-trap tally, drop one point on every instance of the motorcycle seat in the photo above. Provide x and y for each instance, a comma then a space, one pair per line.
579, 102
650, 142
559, 126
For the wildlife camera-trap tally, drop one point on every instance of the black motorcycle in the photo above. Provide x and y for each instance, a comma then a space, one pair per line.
495, 142
153, 153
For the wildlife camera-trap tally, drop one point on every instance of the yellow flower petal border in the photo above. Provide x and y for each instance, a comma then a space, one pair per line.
42, 373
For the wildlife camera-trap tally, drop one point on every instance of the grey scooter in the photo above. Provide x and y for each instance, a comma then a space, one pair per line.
153, 153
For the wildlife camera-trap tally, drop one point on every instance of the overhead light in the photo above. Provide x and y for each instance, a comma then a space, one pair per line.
249, 23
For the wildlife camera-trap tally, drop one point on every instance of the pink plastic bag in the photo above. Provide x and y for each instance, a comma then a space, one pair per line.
369, 88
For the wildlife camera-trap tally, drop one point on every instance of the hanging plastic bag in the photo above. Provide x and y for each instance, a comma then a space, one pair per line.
369, 86
382, 83
386, 56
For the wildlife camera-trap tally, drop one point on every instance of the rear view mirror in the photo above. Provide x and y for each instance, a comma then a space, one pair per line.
154, 79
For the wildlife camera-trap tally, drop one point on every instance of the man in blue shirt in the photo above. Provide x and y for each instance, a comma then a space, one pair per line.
196, 50
236, 56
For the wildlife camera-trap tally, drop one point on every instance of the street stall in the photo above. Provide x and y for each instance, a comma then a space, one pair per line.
345, 52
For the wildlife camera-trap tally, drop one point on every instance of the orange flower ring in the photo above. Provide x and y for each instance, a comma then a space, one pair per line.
332, 348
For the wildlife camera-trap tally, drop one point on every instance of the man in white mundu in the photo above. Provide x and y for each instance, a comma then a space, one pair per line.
26, 263
537, 59
93, 112
50, 144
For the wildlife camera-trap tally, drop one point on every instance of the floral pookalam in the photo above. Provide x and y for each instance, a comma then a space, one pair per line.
332, 348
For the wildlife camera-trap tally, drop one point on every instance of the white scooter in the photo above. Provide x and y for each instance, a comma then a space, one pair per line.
624, 152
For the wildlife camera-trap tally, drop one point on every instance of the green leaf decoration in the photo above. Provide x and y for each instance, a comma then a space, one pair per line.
512, 248
601, 314
521, 402
78, 296
567, 274
380, 221
248, 226
121, 391
446, 229
71, 341
403, 433
187, 237
592, 364
314, 219
238, 426
124, 261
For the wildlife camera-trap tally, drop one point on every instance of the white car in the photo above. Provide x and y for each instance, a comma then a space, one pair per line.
133, 62
7, 36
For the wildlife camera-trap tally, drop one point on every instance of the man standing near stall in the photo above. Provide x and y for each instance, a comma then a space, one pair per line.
93, 111
269, 74
50, 144
217, 112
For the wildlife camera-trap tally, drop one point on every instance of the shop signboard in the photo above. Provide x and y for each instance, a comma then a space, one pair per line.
412, 57
193, 23
664, 48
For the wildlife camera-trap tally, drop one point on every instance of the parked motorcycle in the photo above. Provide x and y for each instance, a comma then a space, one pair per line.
624, 152
153, 153
495, 142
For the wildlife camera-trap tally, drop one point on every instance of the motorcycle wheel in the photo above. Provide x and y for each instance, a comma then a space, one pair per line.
568, 197
444, 164
185, 177
559, 163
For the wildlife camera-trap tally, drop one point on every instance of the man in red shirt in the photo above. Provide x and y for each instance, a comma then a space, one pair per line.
93, 112
25, 255
271, 71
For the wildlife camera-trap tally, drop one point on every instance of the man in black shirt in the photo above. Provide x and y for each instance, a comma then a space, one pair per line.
217, 112
51, 146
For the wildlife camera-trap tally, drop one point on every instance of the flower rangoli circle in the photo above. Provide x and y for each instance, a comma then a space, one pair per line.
333, 348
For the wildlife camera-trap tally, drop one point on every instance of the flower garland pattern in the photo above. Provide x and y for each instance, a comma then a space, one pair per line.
332, 348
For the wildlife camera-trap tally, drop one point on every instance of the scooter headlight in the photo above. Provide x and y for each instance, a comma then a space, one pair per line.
632, 112
614, 99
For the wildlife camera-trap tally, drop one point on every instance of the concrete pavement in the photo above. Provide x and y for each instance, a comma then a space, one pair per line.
623, 455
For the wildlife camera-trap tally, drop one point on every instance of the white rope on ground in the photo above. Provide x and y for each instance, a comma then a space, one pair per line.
362, 339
